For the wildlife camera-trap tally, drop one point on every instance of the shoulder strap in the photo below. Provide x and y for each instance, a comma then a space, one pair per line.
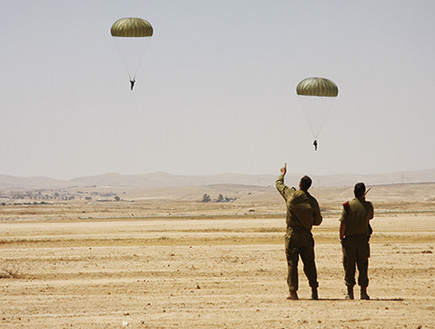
346, 206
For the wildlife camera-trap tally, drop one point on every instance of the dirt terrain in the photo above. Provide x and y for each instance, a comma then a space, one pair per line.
164, 260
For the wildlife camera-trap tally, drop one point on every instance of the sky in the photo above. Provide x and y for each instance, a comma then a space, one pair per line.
215, 92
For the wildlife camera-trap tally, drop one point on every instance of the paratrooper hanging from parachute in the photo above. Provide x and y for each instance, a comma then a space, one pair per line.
132, 35
315, 105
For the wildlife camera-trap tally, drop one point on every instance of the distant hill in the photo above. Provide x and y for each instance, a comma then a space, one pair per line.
164, 180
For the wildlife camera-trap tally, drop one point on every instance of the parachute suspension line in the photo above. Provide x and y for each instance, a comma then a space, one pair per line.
309, 124
132, 52
323, 118
315, 113
124, 62
134, 73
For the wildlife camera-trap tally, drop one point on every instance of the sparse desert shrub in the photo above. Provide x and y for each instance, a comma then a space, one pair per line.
206, 198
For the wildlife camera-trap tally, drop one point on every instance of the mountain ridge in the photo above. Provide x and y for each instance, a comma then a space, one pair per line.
165, 180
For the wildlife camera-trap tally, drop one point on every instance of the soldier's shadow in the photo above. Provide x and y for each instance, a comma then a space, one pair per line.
347, 300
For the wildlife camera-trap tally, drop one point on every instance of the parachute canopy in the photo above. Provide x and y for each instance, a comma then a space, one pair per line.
131, 27
321, 87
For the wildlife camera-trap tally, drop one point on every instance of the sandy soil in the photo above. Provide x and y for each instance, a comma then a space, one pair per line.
207, 270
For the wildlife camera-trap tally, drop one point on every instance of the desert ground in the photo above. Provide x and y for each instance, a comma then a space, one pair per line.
164, 259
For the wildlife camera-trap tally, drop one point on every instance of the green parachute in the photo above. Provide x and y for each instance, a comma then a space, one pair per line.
320, 87
316, 95
131, 27
132, 35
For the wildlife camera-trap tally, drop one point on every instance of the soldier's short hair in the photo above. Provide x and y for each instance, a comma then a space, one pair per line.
305, 183
359, 189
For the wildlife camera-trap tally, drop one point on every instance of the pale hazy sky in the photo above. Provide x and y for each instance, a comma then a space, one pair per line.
216, 90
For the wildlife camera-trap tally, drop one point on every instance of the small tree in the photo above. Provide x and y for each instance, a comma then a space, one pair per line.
206, 198
220, 198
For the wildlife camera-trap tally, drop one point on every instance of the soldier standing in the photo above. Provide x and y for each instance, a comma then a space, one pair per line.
355, 233
302, 213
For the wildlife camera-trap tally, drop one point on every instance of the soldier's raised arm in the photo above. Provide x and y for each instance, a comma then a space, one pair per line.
280, 186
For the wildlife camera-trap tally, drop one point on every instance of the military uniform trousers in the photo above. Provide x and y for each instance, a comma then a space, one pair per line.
356, 250
301, 243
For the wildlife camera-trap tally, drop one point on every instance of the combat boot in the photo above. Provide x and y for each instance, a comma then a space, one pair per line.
364, 293
349, 293
293, 295
314, 294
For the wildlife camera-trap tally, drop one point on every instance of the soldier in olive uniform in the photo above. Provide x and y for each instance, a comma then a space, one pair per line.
355, 233
302, 213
